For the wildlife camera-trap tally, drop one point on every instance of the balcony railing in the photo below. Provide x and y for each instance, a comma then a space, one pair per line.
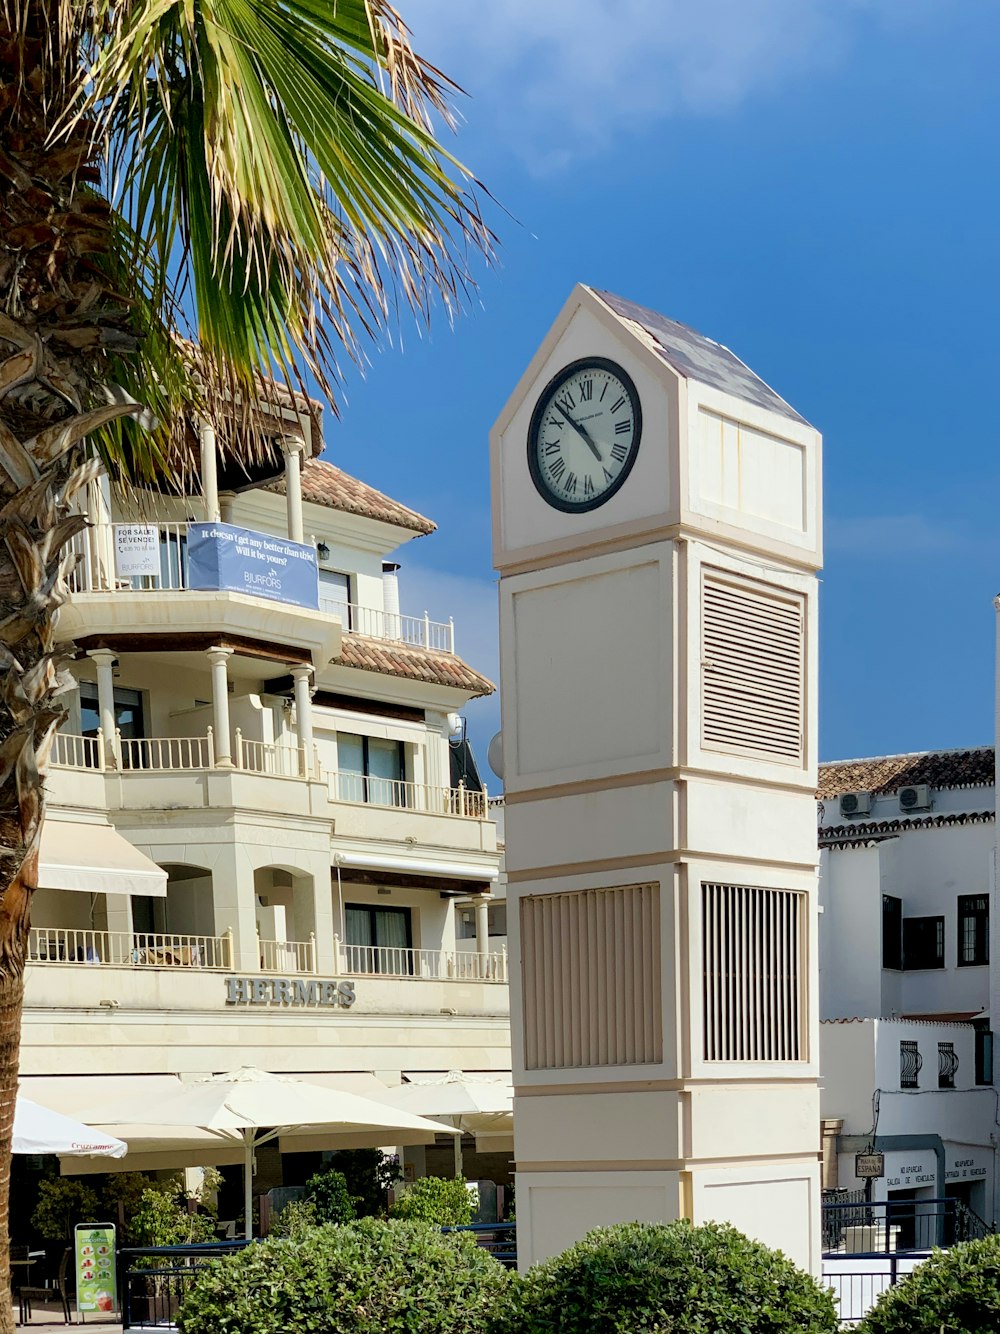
278, 760
370, 790
191, 754
417, 631
129, 949
287, 956
95, 572
435, 965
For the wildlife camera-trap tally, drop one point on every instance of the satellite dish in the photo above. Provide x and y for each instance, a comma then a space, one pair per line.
494, 755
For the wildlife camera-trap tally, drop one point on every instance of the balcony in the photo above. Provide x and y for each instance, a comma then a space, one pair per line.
61, 947
171, 571
197, 754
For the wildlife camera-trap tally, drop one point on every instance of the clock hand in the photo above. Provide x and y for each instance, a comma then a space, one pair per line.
582, 432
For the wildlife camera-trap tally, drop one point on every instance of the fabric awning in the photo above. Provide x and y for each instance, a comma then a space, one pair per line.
96, 859
406, 865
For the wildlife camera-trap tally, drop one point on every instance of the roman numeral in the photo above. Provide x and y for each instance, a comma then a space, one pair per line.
567, 402
622, 427
620, 404
569, 486
603, 392
607, 475
558, 468
586, 390
588, 486
553, 446
619, 452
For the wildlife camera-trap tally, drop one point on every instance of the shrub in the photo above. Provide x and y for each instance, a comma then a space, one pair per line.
369, 1174
646, 1278
62, 1203
366, 1277
954, 1292
327, 1193
159, 1220
298, 1216
442, 1200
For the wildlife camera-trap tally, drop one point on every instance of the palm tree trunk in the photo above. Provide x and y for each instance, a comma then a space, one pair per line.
55, 315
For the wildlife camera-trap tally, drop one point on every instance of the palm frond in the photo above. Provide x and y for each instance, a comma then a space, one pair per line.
278, 160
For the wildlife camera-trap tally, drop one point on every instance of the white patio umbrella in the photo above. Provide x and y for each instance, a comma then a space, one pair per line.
37, 1129
256, 1106
480, 1104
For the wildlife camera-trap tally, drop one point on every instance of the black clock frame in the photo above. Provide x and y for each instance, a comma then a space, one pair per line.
544, 400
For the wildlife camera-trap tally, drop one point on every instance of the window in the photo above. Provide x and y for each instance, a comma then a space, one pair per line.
947, 1065
128, 712
923, 942
984, 1058
892, 932
909, 1065
973, 929
379, 940
371, 769
335, 595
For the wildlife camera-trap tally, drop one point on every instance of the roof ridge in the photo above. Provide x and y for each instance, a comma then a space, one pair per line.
908, 755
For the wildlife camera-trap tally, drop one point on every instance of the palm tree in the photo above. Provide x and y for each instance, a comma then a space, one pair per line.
261, 176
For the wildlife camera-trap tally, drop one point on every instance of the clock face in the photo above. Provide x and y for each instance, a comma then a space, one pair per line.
584, 435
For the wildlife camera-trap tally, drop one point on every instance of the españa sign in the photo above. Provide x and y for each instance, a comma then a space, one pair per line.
236, 560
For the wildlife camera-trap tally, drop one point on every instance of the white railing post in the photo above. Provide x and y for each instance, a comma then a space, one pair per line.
338, 962
461, 796
313, 966
239, 748
210, 738
427, 630
451, 634
503, 963
227, 937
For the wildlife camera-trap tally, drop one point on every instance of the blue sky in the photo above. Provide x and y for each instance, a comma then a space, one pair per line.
815, 183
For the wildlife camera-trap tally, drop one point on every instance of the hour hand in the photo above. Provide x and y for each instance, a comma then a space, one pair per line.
582, 432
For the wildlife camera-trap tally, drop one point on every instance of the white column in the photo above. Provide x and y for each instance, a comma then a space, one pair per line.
293, 450
302, 677
219, 658
105, 660
209, 472
227, 499
483, 924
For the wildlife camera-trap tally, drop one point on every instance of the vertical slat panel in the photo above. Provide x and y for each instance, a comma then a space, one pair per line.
591, 965
754, 965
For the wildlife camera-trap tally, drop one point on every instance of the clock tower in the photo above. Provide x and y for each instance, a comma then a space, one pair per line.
656, 525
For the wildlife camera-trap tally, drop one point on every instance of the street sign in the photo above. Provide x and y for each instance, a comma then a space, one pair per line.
869, 1165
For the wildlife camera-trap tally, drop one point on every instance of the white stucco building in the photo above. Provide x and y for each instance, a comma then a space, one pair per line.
256, 834
907, 850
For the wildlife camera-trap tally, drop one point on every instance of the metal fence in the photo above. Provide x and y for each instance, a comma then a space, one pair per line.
857, 1282
500, 1239
154, 1280
864, 1227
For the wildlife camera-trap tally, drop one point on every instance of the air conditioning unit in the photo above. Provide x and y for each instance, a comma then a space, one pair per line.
915, 798
855, 803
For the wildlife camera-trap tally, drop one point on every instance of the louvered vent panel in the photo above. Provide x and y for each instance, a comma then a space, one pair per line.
591, 964
752, 668
753, 963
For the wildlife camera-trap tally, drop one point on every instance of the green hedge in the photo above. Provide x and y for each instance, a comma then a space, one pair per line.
367, 1277
954, 1292
646, 1278
442, 1200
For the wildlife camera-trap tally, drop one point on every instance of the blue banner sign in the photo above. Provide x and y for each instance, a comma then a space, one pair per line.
237, 560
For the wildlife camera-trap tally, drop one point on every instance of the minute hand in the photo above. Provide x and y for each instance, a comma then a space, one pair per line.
582, 432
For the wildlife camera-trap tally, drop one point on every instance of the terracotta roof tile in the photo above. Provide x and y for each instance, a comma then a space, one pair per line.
325, 484
860, 832
416, 664
887, 773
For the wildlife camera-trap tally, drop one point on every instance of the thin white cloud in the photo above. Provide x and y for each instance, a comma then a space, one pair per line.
874, 536
560, 78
